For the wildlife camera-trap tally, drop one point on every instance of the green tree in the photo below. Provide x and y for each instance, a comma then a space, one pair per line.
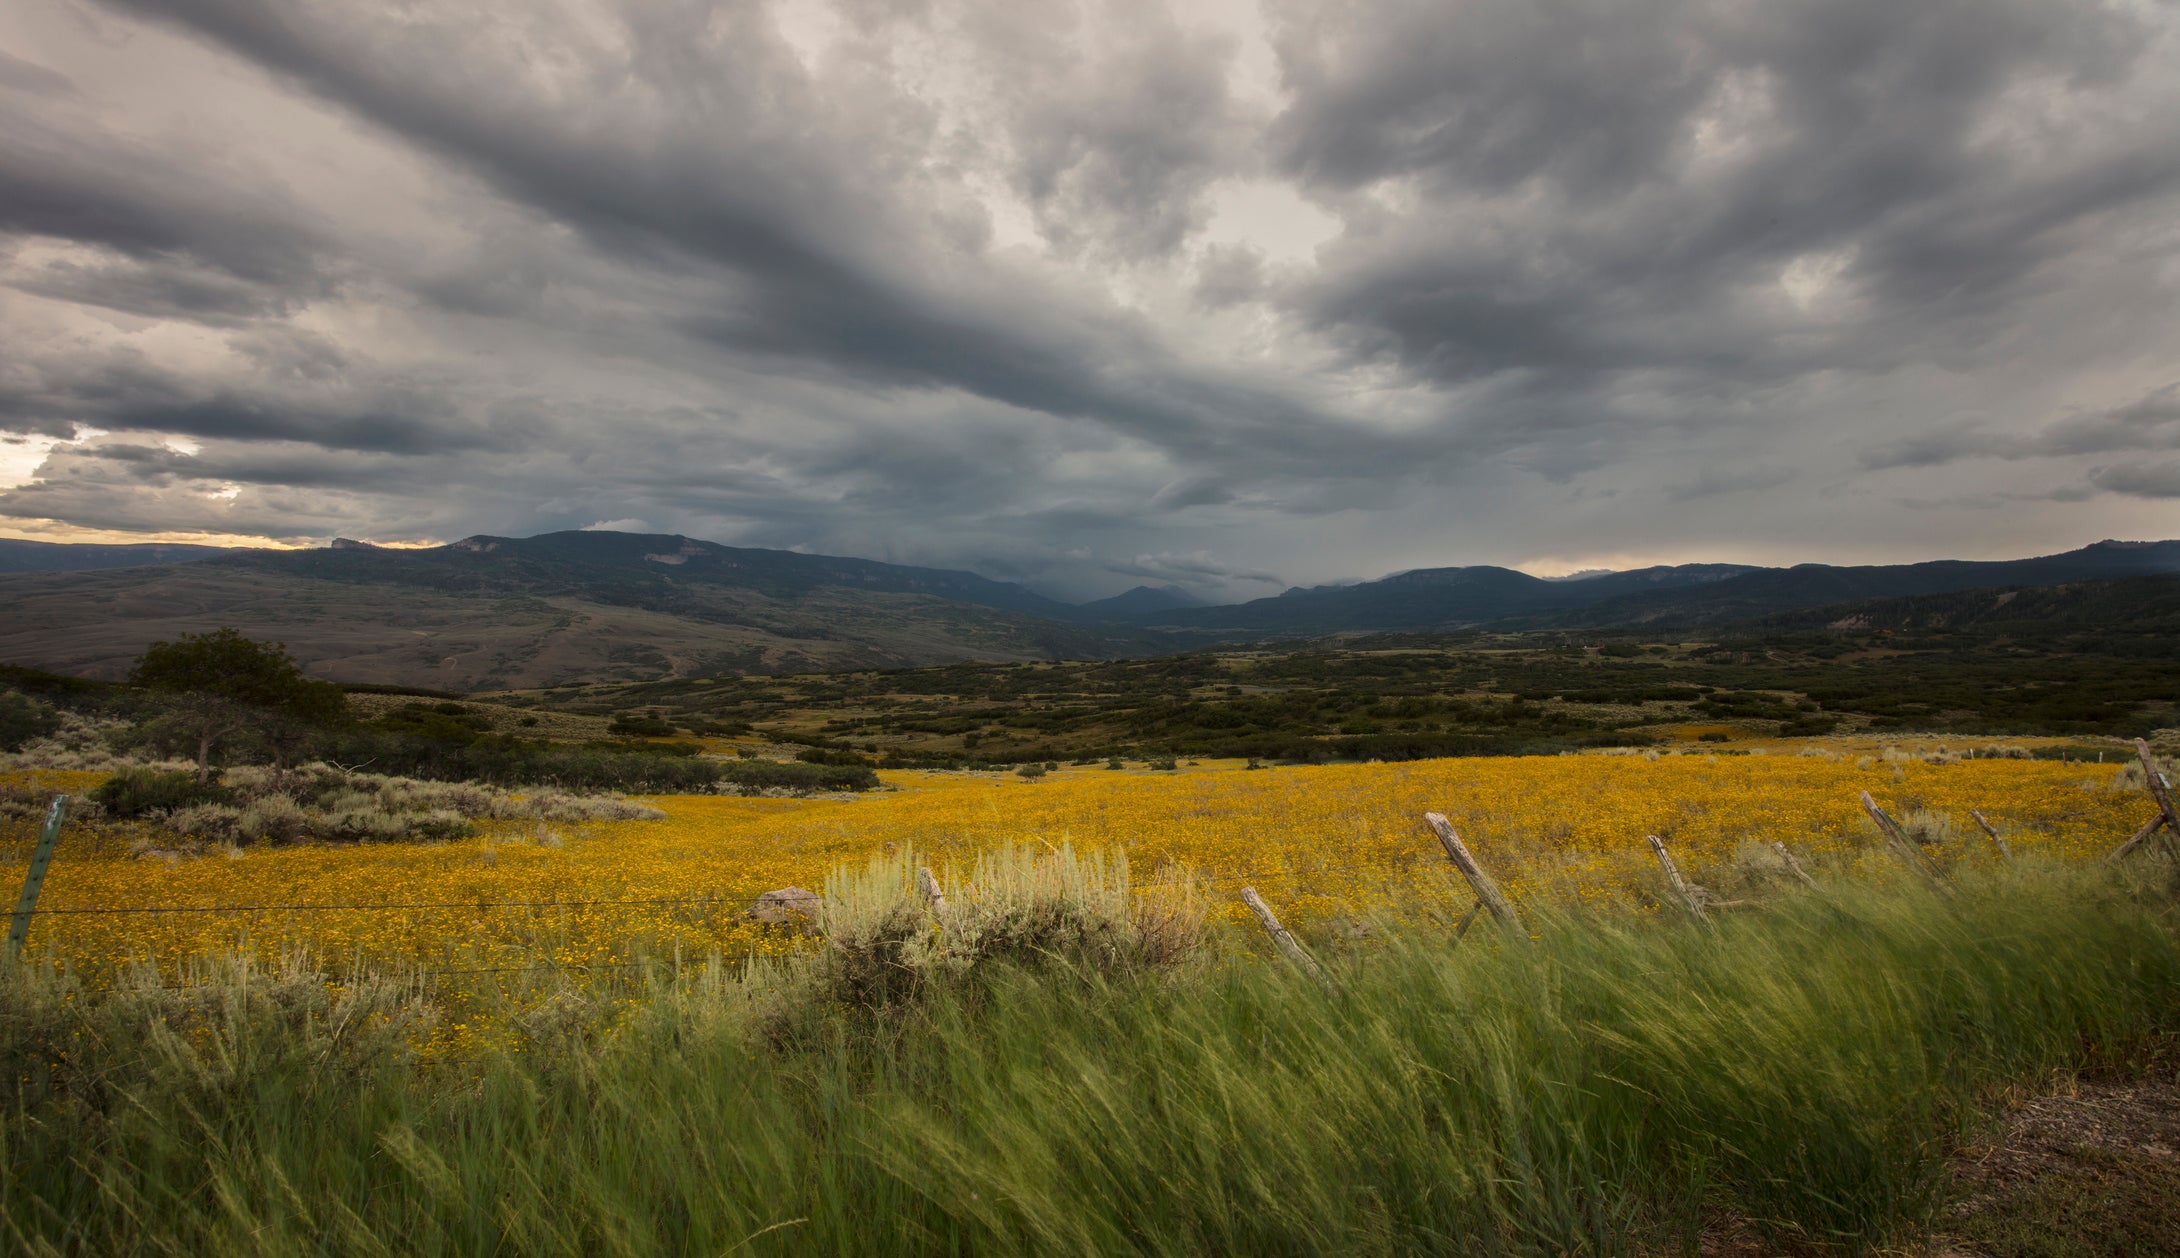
226, 683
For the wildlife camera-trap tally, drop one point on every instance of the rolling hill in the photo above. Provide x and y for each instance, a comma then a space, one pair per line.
1430, 598
1687, 595
1772, 591
20, 555
504, 613
511, 613
2127, 604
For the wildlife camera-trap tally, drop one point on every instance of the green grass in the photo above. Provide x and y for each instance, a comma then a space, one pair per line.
1807, 1065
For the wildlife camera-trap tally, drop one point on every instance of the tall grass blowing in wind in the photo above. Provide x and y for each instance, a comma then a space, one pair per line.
1083, 1052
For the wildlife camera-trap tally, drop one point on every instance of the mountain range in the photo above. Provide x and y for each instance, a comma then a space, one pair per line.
18, 555
565, 608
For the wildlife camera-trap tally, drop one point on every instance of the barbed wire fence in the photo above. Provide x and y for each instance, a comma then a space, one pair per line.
702, 901
2167, 820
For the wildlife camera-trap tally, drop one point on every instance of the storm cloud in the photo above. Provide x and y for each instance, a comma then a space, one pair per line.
1086, 293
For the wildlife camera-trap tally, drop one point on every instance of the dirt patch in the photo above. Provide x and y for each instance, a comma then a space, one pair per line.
2090, 1172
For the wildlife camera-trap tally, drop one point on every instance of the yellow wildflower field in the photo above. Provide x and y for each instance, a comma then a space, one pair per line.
1319, 842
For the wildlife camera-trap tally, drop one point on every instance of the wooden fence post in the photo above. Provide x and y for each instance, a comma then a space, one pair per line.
2142, 836
930, 884
1902, 845
1794, 867
1486, 890
1992, 831
42, 856
1286, 941
1467, 920
2159, 789
1688, 898
2160, 792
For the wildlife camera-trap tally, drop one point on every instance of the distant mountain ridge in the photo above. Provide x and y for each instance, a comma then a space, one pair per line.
2110, 604
1771, 591
493, 612
561, 608
1143, 600
1680, 595
650, 570
1434, 598
21, 555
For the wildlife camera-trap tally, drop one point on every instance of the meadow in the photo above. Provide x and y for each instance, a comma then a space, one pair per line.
570, 1038
1322, 842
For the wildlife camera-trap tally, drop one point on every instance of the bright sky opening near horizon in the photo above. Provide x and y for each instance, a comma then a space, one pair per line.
1229, 294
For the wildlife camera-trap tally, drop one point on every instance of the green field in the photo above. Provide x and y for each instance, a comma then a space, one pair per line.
1078, 1083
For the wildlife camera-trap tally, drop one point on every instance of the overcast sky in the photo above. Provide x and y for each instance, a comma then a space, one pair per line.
1229, 294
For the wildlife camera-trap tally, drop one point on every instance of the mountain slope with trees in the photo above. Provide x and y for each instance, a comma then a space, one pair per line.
495, 613
562, 608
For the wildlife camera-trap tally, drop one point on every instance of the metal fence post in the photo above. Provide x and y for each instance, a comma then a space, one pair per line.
19, 929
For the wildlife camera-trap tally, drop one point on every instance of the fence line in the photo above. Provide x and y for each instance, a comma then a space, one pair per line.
389, 907
392, 907
714, 901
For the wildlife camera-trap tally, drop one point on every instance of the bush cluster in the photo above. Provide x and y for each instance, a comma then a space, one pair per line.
255, 804
140, 790
778, 775
887, 947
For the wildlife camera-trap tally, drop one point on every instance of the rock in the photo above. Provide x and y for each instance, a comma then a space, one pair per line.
787, 906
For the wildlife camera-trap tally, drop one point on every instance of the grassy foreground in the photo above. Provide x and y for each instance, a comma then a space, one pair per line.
1048, 1077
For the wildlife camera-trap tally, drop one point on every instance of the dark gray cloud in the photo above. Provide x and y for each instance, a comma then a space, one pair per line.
1106, 290
2141, 480
2147, 424
1616, 188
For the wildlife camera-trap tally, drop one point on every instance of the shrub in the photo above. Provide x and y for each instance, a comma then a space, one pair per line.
272, 819
1030, 772
640, 725
256, 804
136, 791
214, 822
758, 775
646, 748
1020, 908
819, 755
442, 825
22, 719
366, 825
553, 806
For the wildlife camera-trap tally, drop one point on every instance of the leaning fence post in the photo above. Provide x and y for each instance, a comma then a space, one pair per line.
19, 929
930, 884
2142, 836
1286, 940
1992, 831
2160, 790
1794, 867
1902, 846
1688, 898
1486, 890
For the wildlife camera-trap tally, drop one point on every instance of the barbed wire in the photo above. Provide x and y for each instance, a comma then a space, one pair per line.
389, 906
397, 973
654, 901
